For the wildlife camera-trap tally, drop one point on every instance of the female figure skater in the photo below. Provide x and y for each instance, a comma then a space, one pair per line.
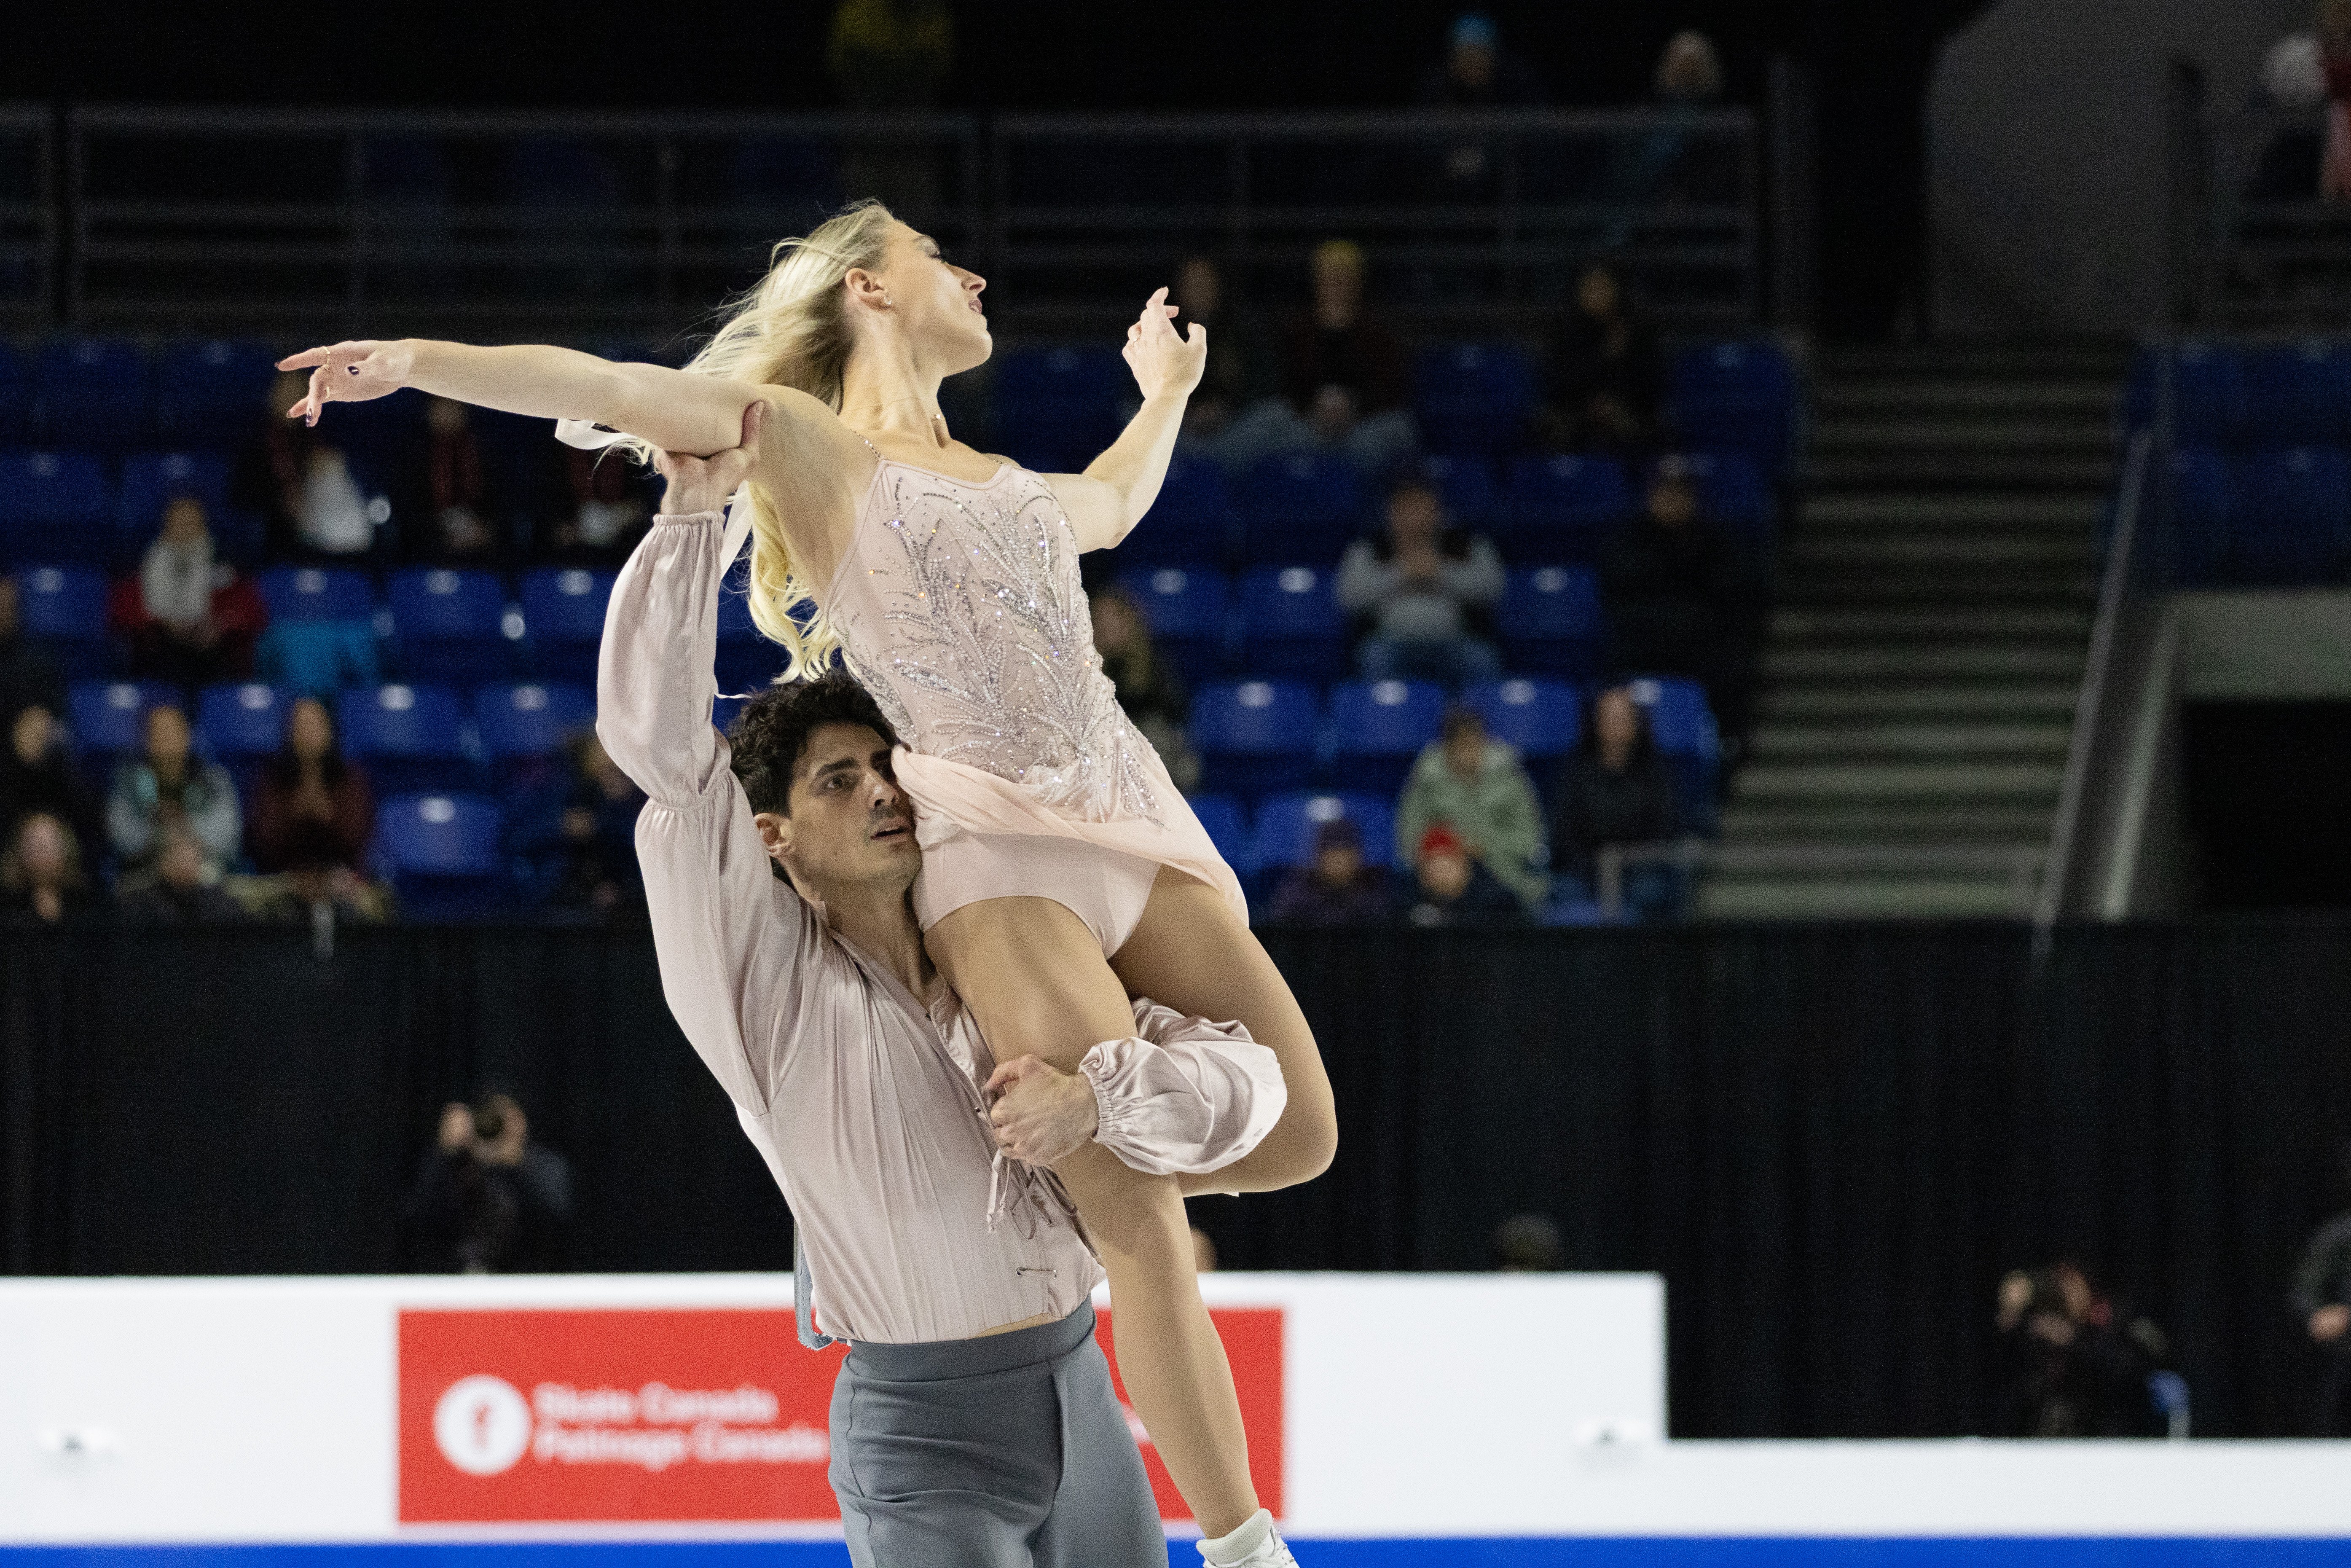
1062, 870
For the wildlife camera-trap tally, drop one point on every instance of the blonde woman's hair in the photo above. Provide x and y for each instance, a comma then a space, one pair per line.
791, 329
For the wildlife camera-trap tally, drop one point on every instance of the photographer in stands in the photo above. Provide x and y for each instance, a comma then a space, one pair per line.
487, 1200
2075, 1365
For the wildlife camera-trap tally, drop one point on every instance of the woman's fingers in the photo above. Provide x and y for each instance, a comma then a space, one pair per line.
305, 359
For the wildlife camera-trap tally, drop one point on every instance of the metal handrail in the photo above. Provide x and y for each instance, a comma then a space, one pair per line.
2089, 705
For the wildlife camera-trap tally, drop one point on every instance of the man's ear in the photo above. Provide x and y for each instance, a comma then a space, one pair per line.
775, 834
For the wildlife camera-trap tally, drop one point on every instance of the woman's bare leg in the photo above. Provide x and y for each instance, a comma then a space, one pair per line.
1190, 952
1035, 982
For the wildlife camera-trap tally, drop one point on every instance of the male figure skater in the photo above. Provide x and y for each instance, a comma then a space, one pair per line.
973, 1422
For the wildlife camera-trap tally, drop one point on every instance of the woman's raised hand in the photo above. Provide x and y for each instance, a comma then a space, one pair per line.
348, 372
1165, 364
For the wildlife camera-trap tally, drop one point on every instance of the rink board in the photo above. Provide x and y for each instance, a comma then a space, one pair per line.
1482, 1421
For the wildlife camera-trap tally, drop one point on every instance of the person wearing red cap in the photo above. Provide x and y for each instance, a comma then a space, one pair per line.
1455, 889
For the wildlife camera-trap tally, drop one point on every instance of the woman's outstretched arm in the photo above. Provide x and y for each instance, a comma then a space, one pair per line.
1108, 498
676, 411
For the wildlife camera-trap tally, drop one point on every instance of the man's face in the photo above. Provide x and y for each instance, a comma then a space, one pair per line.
167, 736
1338, 865
1465, 752
1445, 876
1415, 516
851, 826
29, 735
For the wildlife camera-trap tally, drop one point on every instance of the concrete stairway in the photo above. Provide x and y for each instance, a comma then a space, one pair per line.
1936, 591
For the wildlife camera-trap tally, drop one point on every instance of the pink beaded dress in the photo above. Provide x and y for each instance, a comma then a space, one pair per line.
959, 607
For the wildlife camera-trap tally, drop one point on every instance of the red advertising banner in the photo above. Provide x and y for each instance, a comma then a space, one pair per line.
656, 1415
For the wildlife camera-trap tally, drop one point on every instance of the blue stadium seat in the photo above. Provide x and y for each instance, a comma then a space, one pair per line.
2209, 389
96, 393
2292, 519
748, 661
54, 506
1228, 828
1468, 485
1377, 728
1683, 728
16, 398
1737, 396
1186, 606
1732, 491
1287, 824
210, 393
109, 717
451, 625
723, 712
1544, 719
1256, 735
1562, 508
1057, 408
2201, 491
2299, 393
1192, 520
318, 594
64, 607
1551, 622
410, 737
1290, 622
150, 479
440, 850
1307, 507
242, 720
527, 719
563, 610
1473, 397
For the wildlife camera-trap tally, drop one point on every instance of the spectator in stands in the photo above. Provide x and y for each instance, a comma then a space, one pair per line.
588, 842
42, 877
1529, 1244
607, 511
1471, 785
38, 774
2293, 78
189, 617
1601, 375
1342, 379
1474, 74
1234, 377
28, 674
457, 497
1338, 889
1677, 595
168, 785
2322, 1305
182, 888
1419, 588
1150, 688
1689, 71
487, 1200
1672, 164
313, 812
1453, 888
302, 483
1614, 790
2077, 1365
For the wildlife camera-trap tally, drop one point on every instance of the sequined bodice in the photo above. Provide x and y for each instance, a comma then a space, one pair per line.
960, 608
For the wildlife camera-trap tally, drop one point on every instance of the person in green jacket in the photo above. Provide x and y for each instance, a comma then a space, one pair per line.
1473, 783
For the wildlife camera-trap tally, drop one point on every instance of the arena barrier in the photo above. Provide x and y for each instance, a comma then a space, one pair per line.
577, 1421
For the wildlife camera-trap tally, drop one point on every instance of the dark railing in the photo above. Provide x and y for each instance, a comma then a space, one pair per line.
28, 217
217, 220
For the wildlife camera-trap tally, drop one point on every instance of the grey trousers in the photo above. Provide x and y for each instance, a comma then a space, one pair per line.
1004, 1452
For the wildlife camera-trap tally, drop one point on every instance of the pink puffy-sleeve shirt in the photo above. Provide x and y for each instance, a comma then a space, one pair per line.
865, 1100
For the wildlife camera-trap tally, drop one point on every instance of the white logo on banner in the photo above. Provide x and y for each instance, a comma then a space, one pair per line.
482, 1425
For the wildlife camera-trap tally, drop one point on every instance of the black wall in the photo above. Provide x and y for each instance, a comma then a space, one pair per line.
1832, 1141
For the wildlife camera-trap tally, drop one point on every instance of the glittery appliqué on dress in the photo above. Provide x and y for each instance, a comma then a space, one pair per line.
971, 630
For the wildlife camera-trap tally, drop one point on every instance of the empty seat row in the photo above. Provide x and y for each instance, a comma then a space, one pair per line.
112, 394
2276, 394
1287, 621
2276, 517
1058, 406
1308, 506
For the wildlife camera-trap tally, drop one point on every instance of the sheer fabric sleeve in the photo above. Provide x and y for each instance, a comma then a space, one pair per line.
728, 934
1182, 1095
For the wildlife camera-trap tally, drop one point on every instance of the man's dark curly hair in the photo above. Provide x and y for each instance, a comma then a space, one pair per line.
771, 733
